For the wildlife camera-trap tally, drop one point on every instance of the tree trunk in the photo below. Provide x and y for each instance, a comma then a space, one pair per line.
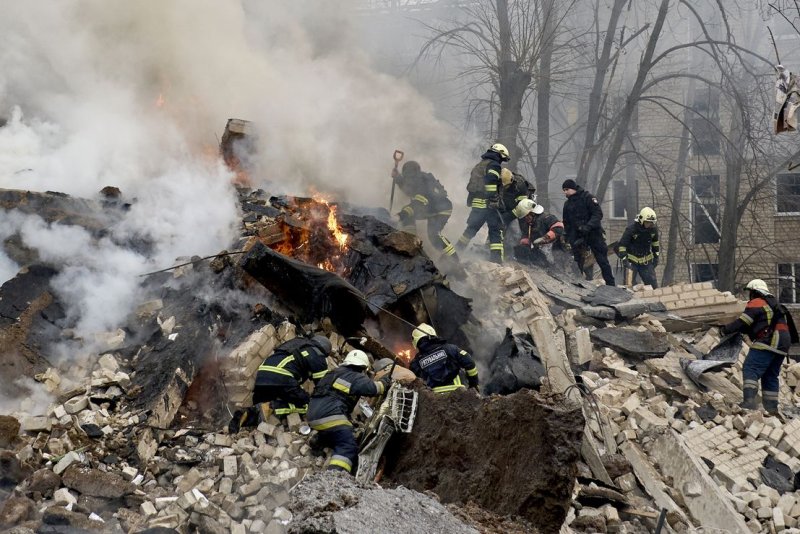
726, 260
542, 168
677, 193
513, 82
595, 96
630, 103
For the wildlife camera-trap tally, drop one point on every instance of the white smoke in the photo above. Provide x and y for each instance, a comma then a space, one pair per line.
134, 94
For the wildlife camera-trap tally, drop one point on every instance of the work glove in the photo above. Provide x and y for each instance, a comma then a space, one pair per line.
524, 207
584, 229
386, 380
623, 256
655, 261
539, 241
525, 242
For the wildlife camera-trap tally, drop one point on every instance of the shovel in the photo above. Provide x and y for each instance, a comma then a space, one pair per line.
398, 156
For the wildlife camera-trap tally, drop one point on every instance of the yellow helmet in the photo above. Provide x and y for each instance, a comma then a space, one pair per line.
647, 215
506, 175
423, 330
501, 149
357, 358
759, 285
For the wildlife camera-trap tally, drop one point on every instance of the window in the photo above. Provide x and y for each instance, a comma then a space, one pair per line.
789, 283
705, 122
705, 208
787, 193
619, 199
704, 272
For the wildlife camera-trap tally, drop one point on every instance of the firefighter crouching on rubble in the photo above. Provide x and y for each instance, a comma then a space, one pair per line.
429, 202
540, 230
519, 197
582, 222
439, 363
332, 402
639, 248
278, 388
764, 322
483, 196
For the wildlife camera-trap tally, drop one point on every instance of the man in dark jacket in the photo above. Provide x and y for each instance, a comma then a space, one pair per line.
485, 200
278, 387
439, 363
765, 323
639, 247
428, 201
582, 216
333, 401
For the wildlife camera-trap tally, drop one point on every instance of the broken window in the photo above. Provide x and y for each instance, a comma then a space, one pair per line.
788, 282
618, 199
704, 272
787, 193
705, 122
705, 208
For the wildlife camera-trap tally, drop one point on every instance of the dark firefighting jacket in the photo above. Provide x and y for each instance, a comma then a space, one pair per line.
639, 244
582, 209
515, 191
547, 226
439, 364
759, 322
336, 395
490, 160
428, 196
293, 362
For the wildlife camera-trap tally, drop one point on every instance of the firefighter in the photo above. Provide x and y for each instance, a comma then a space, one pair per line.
439, 363
765, 323
278, 388
540, 230
428, 201
484, 198
333, 401
582, 216
514, 189
639, 247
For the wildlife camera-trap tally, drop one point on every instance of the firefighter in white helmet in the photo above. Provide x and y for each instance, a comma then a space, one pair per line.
766, 323
639, 247
440, 363
334, 399
484, 197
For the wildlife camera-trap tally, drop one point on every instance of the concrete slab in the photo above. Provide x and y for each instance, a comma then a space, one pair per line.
631, 343
711, 508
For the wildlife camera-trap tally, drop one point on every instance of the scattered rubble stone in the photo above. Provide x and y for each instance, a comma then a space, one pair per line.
9, 430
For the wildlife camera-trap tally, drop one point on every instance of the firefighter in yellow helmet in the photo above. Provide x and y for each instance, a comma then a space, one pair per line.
484, 197
334, 399
440, 363
639, 247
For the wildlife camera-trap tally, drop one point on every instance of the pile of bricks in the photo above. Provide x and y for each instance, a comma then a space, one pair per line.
698, 302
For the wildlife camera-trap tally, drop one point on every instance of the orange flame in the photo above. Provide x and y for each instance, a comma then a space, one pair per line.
405, 355
336, 230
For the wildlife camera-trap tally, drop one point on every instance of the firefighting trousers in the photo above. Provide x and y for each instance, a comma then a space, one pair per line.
646, 271
436, 224
345, 449
284, 399
490, 217
765, 366
599, 249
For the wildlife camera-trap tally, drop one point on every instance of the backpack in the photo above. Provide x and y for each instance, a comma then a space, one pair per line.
476, 183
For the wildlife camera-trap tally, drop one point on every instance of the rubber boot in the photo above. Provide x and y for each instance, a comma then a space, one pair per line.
749, 401
770, 403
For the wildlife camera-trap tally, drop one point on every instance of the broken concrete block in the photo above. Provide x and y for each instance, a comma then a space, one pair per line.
230, 466
630, 405
68, 459
63, 496
109, 362
293, 420
778, 519
148, 508
76, 404
38, 423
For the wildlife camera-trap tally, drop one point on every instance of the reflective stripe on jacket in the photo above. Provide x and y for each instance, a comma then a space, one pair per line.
755, 322
640, 244
336, 395
439, 364
295, 361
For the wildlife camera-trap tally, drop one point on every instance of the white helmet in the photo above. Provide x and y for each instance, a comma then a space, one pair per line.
524, 207
357, 358
423, 330
759, 285
502, 150
538, 209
